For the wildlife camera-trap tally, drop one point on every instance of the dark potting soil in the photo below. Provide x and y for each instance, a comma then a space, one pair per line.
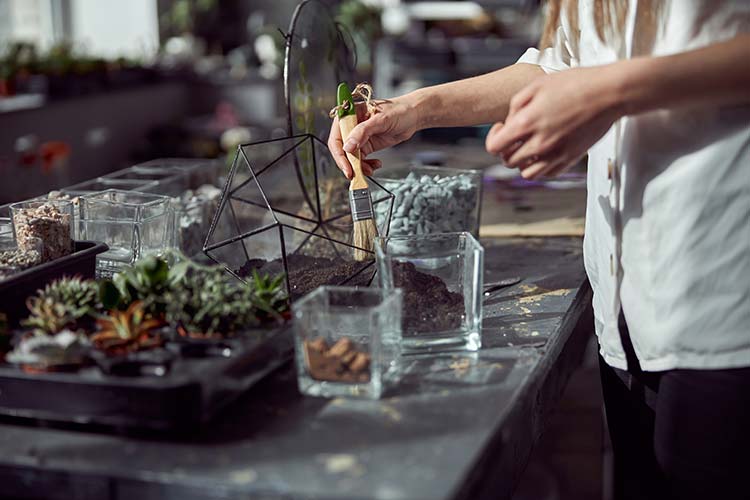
428, 304
306, 273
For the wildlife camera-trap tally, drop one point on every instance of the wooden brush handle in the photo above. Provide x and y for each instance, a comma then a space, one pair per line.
346, 125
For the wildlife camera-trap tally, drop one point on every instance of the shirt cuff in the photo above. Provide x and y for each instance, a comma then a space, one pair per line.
544, 59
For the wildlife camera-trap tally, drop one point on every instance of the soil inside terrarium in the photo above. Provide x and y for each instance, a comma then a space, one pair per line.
428, 304
306, 273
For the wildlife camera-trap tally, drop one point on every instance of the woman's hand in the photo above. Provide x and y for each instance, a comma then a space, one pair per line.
395, 122
554, 120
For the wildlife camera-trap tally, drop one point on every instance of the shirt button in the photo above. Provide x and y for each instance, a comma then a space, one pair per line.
611, 265
610, 168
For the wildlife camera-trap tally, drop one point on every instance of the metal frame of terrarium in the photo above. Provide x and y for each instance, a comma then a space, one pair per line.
288, 218
318, 55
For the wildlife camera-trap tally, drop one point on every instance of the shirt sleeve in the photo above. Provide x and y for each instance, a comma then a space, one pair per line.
560, 56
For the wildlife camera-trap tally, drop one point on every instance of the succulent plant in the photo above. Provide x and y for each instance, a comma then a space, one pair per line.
207, 302
64, 303
147, 281
270, 296
44, 352
121, 332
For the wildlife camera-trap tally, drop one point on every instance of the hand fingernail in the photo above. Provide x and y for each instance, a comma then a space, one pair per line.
350, 146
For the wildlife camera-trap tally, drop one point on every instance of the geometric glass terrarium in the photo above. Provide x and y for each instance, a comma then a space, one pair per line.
285, 209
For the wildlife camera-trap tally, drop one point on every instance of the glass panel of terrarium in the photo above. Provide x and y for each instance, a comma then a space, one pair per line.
242, 209
260, 252
333, 187
288, 181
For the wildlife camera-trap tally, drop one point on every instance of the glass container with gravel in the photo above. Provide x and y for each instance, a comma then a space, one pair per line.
432, 200
347, 341
441, 279
14, 260
50, 221
133, 224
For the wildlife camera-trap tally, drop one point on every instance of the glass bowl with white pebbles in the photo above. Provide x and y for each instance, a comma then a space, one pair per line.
431, 199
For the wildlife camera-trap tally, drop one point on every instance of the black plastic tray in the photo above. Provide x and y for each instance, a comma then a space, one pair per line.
15, 290
202, 377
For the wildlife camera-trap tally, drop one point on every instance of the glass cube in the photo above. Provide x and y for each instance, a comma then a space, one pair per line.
133, 224
441, 278
163, 181
432, 199
51, 221
98, 185
347, 341
290, 214
200, 171
6, 225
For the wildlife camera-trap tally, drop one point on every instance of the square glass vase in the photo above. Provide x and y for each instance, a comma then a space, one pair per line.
200, 171
164, 181
98, 185
431, 200
441, 277
347, 341
131, 223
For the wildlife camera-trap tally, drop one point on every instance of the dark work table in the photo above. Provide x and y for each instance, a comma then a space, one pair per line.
456, 425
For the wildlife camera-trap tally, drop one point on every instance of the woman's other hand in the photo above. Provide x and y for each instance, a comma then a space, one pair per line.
554, 120
395, 122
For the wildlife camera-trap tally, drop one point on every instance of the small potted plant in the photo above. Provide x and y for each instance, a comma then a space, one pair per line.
59, 315
124, 332
61, 352
67, 303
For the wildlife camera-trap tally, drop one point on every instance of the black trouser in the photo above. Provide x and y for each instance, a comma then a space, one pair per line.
679, 434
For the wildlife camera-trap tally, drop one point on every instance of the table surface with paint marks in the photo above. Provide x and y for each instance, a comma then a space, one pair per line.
456, 426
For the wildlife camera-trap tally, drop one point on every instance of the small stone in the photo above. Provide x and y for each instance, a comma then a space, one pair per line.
319, 345
361, 363
341, 347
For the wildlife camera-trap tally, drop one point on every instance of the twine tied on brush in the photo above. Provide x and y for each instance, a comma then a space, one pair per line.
363, 91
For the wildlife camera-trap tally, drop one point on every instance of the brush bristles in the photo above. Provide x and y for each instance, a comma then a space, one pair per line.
365, 232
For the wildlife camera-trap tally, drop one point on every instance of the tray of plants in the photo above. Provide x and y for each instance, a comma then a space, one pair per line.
159, 346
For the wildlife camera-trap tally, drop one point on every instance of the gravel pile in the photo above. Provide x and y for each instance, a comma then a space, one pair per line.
431, 204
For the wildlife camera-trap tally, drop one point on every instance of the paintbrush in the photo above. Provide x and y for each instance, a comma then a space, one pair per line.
365, 230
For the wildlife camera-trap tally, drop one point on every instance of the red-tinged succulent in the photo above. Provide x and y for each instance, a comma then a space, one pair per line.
121, 332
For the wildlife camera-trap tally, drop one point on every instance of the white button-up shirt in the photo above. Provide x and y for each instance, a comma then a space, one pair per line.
668, 206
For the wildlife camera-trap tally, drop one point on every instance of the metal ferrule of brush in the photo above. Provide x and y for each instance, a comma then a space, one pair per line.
361, 204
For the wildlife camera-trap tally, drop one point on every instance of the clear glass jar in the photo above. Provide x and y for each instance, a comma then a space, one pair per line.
441, 279
200, 171
133, 224
163, 181
347, 341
